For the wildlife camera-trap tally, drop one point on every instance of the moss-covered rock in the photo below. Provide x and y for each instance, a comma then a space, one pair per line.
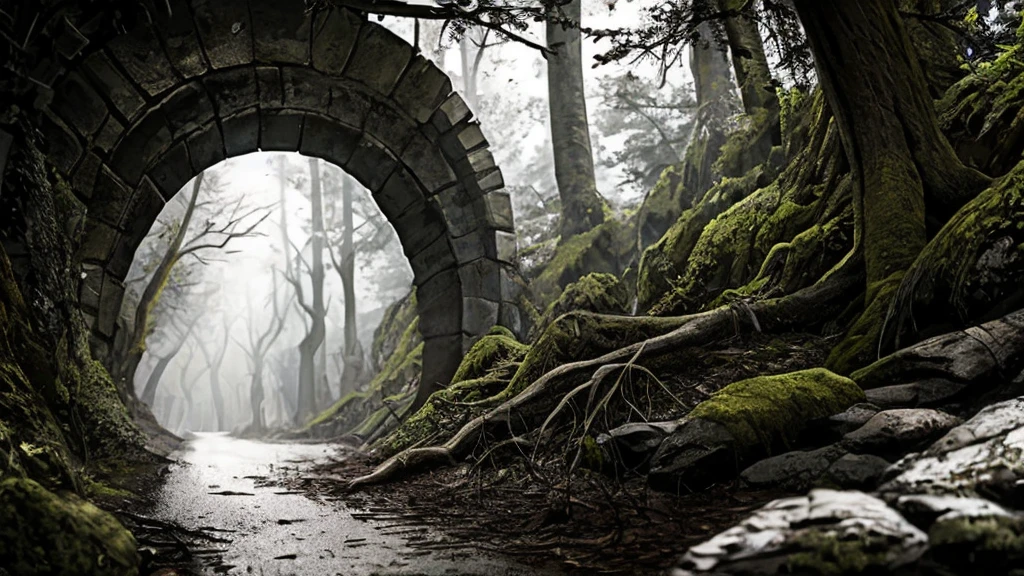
596, 292
496, 348
978, 545
609, 248
43, 533
747, 420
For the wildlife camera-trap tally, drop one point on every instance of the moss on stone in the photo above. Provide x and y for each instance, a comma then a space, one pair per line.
486, 355
43, 533
595, 292
831, 554
770, 411
966, 544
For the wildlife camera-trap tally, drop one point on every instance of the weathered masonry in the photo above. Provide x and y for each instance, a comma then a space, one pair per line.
134, 118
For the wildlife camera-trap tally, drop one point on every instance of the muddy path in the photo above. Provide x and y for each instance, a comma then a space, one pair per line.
224, 508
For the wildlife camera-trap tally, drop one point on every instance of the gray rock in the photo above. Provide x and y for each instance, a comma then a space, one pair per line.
924, 509
793, 470
810, 534
853, 418
857, 471
632, 445
895, 432
696, 454
980, 457
924, 393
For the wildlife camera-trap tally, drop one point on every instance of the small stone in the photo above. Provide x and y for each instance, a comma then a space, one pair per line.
857, 471
795, 471
893, 433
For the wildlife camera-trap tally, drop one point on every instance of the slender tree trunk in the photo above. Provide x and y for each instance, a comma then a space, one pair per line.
214, 361
256, 394
469, 87
135, 344
149, 392
582, 205
315, 337
353, 351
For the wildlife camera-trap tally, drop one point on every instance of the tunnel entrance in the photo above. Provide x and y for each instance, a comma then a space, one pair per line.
138, 116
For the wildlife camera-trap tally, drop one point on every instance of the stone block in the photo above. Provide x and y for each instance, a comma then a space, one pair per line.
84, 178
427, 164
441, 358
63, 146
305, 89
422, 89
80, 105
110, 306
478, 316
418, 227
270, 87
510, 317
462, 213
505, 243
452, 111
280, 131
498, 206
479, 161
349, 105
481, 278
241, 133
97, 242
280, 32
140, 54
109, 81
431, 260
371, 164
206, 147
181, 40
439, 303
473, 246
109, 135
172, 171
512, 283
326, 139
109, 198
334, 35
398, 194
389, 126
187, 108
225, 31
232, 90
379, 59
142, 210
464, 138
123, 255
141, 146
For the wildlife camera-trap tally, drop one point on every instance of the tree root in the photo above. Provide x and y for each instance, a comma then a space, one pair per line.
812, 306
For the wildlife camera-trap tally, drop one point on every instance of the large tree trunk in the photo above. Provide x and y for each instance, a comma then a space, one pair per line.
582, 205
904, 170
753, 75
128, 358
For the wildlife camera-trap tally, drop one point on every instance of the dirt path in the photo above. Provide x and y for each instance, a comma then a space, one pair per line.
228, 492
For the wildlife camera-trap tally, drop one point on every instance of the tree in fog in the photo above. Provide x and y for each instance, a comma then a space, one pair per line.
261, 335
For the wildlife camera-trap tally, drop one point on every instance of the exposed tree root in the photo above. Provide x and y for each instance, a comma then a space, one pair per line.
804, 309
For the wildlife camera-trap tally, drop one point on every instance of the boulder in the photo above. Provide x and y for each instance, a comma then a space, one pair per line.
632, 445
923, 393
825, 532
745, 421
857, 471
852, 418
795, 471
981, 457
893, 433
45, 533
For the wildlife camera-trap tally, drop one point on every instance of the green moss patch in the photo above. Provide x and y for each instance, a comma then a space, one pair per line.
771, 411
43, 533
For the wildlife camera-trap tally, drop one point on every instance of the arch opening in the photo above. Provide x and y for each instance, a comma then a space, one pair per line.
139, 116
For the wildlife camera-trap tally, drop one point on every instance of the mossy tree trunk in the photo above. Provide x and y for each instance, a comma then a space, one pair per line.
904, 170
582, 205
750, 64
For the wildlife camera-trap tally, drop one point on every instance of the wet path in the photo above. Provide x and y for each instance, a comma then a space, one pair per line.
217, 485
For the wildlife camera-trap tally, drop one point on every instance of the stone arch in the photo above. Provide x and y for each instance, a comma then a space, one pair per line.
135, 118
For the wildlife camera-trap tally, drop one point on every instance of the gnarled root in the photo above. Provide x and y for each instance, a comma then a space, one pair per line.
806, 308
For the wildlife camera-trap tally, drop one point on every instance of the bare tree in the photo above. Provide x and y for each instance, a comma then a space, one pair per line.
259, 342
213, 354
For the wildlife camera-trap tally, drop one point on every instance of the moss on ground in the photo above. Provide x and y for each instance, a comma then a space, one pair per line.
831, 554
987, 544
487, 354
43, 533
595, 292
771, 411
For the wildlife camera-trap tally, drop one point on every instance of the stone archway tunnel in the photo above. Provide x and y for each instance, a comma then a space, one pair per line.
135, 118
